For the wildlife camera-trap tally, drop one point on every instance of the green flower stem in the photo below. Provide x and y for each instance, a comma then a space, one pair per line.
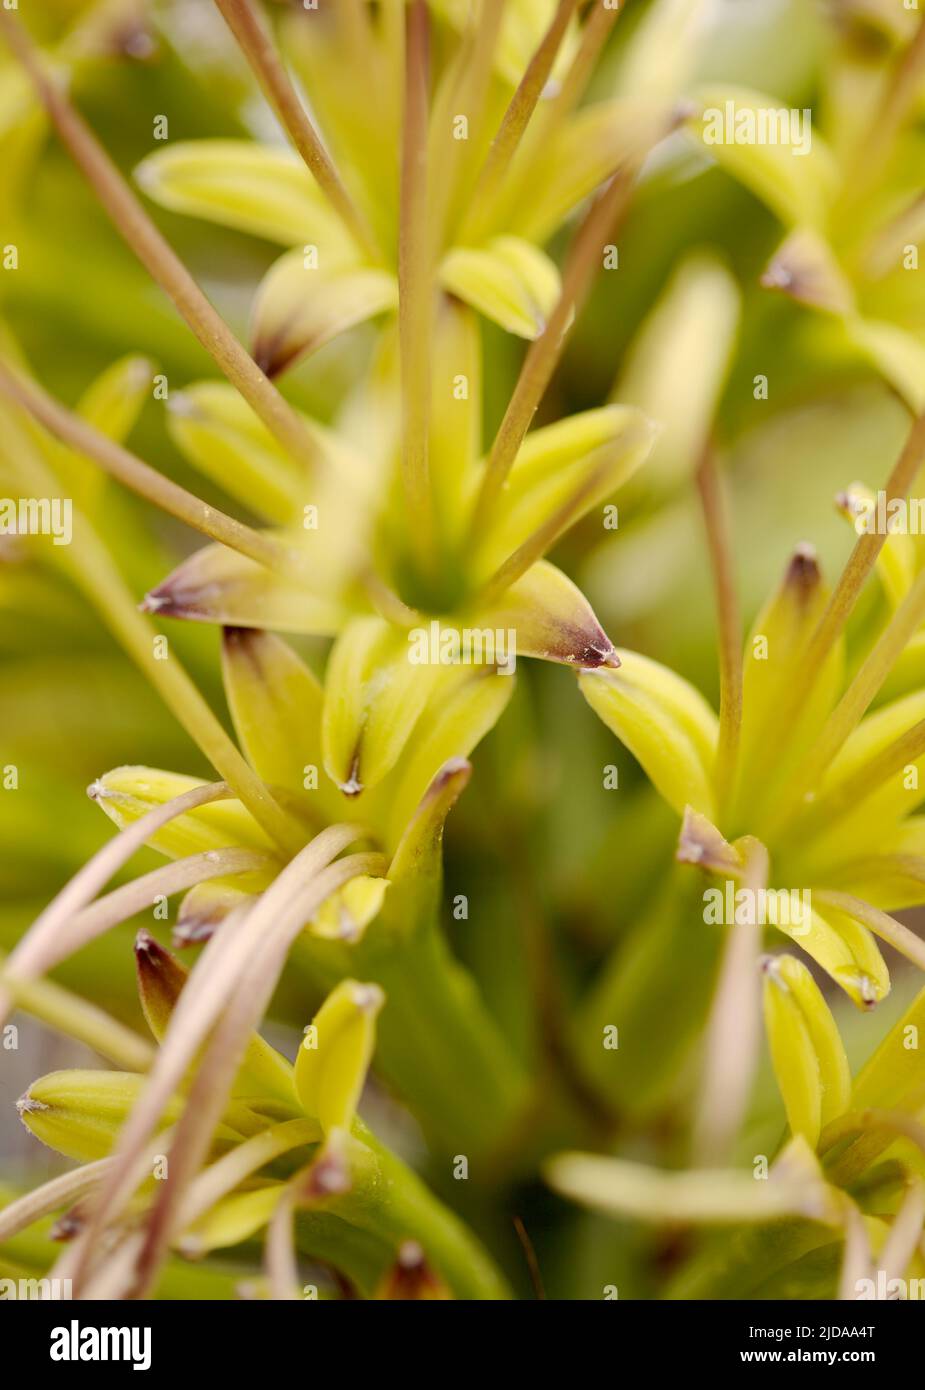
390, 1201
655, 991
438, 1045
355, 1253
841, 605
597, 227
735, 1264
260, 51
514, 123
133, 473
77, 1018
415, 292
90, 567
139, 232
719, 538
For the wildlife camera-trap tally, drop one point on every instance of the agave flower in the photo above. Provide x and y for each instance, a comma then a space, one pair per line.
404, 481
796, 762
840, 1211
408, 522
384, 919
826, 794
288, 1138
507, 159
852, 202
269, 850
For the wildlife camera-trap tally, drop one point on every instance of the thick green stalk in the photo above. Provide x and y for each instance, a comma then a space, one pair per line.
394, 1203
438, 1045
655, 991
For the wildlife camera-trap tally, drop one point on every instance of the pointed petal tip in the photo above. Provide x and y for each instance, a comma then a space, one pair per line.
445, 788
154, 602
144, 175
192, 931
182, 404
368, 998
352, 787
168, 602
453, 770
140, 370
329, 1175
702, 844
776, 276
690, 849
272, 356
28, 1105
803, 572
683, 110
66, 1227
145, 943
243, 642
596, 657
151, 956
411, 1255
870, 996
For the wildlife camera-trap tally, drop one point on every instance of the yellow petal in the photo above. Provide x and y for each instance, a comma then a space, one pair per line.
276, 704
220, 435
299, 308
508, 280
128, 793
806, 269
217, 585
334, 1057
80, 1113
257, 188
797, 187
373, 695
161, 978
665, 723
847, 951
619, 1187
773, 650
589, 455
346, 914
466, 702
231, 1221
549, 617
834, 1071
897, 355
806, 1050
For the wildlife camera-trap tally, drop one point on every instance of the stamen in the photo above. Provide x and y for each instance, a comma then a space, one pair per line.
216, 973
269, 938
415, 290
29, 956
515, 121
258, 48
139, 232
719, 539
51, 1196
133, 473
544, 352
